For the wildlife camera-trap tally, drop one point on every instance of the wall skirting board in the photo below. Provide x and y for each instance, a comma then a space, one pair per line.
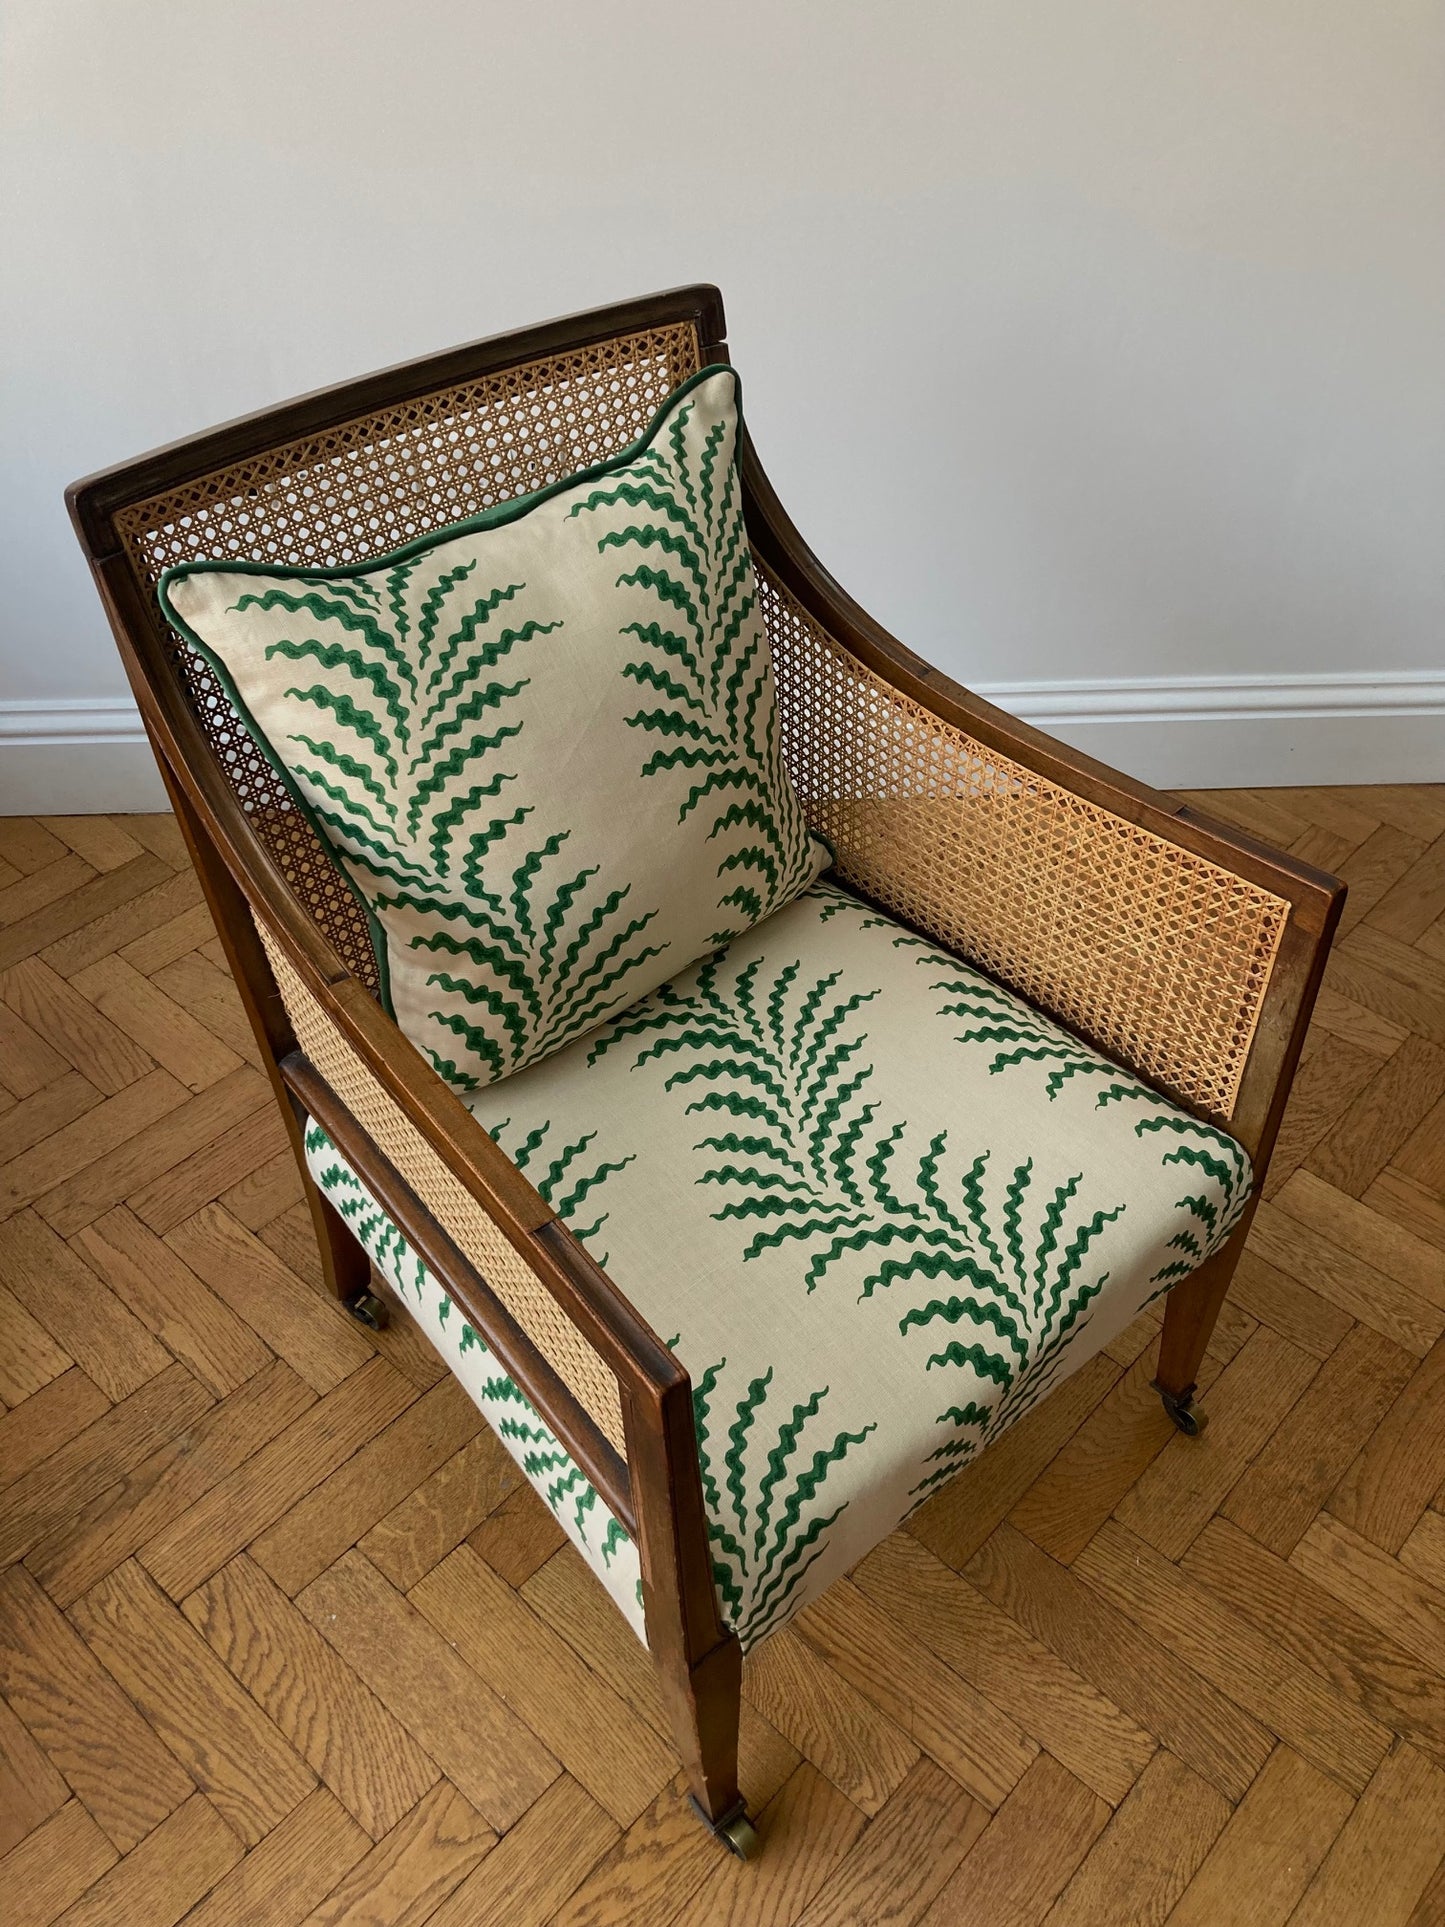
73, 756
1249, 732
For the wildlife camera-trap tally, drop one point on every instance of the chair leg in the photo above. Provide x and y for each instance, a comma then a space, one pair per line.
1190, 1312
346, 1270
345, 1267
698, 1659
704, 1706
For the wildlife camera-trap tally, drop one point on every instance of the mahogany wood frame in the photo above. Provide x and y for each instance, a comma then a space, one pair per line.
654, 1489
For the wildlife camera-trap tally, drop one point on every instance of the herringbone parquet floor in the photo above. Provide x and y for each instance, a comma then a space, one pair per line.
284, 1639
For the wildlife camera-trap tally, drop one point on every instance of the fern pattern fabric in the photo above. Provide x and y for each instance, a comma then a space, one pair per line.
878, 1205
570, 1496
542, 745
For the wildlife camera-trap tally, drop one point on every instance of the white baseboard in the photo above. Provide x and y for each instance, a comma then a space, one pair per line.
73, 757
1251, 732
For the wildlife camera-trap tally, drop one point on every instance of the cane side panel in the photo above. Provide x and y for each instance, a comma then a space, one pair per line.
1157, 956
368, 486
515, 1284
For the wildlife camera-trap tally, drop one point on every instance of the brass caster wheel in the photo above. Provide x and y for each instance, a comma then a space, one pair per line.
740, 1836
369, 1310
735, 1830
1180, 1407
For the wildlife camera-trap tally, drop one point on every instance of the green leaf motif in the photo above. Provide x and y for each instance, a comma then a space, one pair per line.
540, 1453
991, 1015
707, 661
407, 736
1214, 1155
805, 1159
775, 1528
565, 1173
412, 701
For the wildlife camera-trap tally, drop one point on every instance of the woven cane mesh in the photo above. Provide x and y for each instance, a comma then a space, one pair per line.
368, 486
1155, 955
515, 1284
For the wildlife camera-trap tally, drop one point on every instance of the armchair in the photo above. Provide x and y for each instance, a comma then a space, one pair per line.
1178, 948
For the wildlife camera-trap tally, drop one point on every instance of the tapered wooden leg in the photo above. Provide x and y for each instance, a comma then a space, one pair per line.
705, 1706
345, 1267
1190, 1312
699, 1661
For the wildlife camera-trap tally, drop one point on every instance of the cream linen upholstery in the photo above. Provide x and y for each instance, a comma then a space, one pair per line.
877, 1205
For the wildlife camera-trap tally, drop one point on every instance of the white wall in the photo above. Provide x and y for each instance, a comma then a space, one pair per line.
1098, 345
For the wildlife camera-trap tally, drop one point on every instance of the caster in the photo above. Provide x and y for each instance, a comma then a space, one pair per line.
735, 1830
369, 1310
740, 1837
1180, 1407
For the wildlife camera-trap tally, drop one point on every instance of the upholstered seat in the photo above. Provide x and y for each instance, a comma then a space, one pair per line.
876, 1204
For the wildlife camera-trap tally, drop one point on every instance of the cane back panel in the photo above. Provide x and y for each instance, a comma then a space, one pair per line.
367, 486
1159, 957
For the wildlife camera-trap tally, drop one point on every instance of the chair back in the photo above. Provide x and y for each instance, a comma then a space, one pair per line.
359, 470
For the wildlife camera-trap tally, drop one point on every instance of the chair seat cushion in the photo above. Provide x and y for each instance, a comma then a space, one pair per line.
542, 745
878, 1206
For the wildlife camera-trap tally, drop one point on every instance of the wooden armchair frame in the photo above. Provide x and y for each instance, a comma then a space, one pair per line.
357, 469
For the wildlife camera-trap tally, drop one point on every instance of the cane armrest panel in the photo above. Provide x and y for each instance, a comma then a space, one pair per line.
454, 1207
1158, 954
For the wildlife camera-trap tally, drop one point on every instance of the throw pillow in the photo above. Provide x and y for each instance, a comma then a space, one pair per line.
542, 745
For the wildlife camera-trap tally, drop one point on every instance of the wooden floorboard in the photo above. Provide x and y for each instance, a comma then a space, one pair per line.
286, 1641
